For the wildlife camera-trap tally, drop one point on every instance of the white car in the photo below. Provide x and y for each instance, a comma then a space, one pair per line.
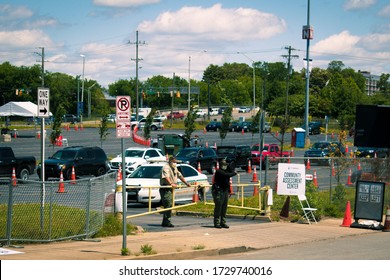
244, 110
160, 117
135, 157
147, 178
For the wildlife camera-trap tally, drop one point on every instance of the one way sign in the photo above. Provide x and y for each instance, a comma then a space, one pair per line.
43, 102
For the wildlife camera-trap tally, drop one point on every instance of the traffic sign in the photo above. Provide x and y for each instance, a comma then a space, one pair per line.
123, 117
43, 102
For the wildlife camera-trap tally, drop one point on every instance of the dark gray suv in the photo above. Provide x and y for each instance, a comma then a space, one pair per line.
85, 160
206, 157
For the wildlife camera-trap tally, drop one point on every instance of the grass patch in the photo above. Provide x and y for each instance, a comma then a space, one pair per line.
147, 250
199, 247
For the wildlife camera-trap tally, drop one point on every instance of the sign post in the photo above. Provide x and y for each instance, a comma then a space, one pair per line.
123, 130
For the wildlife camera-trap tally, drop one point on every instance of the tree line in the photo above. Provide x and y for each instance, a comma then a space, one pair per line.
334, 92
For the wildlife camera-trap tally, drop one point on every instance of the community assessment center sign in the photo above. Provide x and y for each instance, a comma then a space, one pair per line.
291, 179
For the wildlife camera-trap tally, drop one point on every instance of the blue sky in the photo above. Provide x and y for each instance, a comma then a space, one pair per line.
184, 37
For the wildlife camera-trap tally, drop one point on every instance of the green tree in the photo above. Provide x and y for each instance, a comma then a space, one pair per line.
225, 122
148, 123
103, 130
56, 127
189, 122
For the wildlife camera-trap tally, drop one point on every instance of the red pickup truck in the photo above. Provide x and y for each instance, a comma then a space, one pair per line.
271, 152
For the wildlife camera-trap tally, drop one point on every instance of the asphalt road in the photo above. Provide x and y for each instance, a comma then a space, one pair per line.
373, 246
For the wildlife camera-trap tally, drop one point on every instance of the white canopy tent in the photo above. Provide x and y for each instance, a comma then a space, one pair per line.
24, 109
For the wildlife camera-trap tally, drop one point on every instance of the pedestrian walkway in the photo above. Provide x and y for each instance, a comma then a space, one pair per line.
187, 244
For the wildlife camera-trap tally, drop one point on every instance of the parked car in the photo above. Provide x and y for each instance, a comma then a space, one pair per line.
213, 126
235, 155
233, 126
148, 175
135, 157
320, 152
160, 117
111, 118
244, 110
372, 152
267, 127
156, 124
314, 127
246, 126
70, 118
24, 166
85, 160
214, 111
271, 154
175, 115
206, 157
201, 113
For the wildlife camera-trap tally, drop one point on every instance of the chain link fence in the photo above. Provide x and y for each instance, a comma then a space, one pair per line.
327, 173
33, 211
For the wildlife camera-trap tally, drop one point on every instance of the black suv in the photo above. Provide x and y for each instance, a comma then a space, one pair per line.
235, 155
214, 126
85, 160
206, 157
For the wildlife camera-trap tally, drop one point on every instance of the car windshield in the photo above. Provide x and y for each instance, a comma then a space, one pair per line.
134, 153
320, 146
147, 172
187, 153
65, 154
225, 150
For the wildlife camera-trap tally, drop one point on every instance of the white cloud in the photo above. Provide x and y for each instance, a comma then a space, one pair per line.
124, 3
358, 4
216, 23
385, 12
342, 43
24, 39
10, 12
376, 42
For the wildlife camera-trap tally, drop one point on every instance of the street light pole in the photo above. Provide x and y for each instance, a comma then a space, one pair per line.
82, 90
308, 35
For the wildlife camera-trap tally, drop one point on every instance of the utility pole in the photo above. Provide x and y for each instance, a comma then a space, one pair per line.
288, 56
137, 43
189, 83
284, 126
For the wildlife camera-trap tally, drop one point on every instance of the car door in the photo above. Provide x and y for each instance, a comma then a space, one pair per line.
7, 162
82, 166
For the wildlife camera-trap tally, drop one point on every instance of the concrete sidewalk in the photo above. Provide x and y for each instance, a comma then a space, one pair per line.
187, 244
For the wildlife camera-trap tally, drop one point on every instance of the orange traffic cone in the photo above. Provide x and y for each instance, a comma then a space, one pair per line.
13, 177
81, 127
292, 152
207, 144
204, 130
195, 196
255, 190
315, 179
76, 128
73, 177
333, 169
277, 133
119, 176
308, 164
199, 168
61, 186
249, 167
349, 177
347, 216
254, 178
215, 145
231, 186
242, 131
288, 160
387, 221
359, 167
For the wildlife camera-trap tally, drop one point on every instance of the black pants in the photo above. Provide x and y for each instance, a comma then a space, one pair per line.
166, 201
220, 197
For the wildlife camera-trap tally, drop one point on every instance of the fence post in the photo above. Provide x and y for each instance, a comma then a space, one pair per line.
9, 212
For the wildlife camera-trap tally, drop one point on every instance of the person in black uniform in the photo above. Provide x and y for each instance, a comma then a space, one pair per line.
220, 191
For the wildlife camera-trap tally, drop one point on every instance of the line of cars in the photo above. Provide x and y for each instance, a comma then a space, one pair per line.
245, 126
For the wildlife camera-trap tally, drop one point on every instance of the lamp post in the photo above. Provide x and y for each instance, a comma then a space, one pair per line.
254, 79
89, 100
82, 90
